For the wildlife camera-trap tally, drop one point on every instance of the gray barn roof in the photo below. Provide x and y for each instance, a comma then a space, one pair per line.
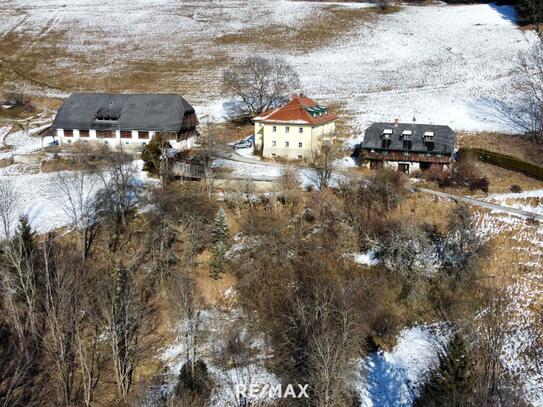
444, 139
106, 111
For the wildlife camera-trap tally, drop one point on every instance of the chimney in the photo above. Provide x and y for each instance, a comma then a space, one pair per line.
396, 121
414, 119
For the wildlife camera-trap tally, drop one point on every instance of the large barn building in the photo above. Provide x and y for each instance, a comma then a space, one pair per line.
408, 147
128, 119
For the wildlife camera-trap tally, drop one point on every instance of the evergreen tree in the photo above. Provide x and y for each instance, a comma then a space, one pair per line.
26, 236
152, 152
217, 261
194, 383
220, 228
219, 237
529, 11
451, 383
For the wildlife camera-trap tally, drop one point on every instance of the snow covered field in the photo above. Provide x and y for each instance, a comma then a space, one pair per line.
438, 62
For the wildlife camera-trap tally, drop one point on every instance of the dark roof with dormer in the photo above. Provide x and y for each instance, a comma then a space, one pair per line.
108, 111
442, 142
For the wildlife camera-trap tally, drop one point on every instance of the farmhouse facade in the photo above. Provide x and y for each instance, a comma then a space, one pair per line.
294, 130
408, 147
126, 119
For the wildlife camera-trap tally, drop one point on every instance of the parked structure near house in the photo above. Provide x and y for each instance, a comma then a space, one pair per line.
408, 147
294, 130
128, 119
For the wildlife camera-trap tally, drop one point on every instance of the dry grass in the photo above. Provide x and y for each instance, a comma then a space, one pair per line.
333, 23
517, 146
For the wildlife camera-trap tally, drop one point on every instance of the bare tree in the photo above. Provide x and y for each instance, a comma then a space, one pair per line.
119, 193
323, 164
188, 304
259, 84
76, 197
63, 280
8, 206
209, 142
127, 307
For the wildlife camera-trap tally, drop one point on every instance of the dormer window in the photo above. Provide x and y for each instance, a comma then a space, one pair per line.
109, 113
406, 134
387, 133
428, 136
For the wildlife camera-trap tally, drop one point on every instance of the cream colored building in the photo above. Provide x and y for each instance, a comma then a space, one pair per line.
294, 131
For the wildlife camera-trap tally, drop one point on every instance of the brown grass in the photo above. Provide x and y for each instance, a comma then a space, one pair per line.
517, 146
335, 22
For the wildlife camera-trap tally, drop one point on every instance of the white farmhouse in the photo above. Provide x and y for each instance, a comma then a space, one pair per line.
128, 119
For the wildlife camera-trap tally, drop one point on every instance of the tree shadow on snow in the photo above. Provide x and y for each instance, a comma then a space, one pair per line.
385, 384
507, 12
506, 115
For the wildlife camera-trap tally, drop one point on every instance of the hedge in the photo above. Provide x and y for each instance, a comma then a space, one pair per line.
504, 161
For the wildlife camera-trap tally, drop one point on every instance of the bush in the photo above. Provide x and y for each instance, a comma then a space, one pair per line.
19, 99
479, 184
515, 189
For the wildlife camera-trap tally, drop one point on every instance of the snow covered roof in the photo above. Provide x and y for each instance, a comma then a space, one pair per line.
443, 142
106, 111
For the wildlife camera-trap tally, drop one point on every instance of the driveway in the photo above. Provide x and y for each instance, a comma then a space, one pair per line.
482, 204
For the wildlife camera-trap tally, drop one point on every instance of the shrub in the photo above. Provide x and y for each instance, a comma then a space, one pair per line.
515, 189
20, 99
479, 184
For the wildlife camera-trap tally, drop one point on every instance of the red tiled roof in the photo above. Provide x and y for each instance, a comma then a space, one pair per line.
295, 111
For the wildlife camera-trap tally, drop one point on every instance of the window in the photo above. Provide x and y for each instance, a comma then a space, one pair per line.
287, 143
300, 145
274, 129
126, 134
105, 134
300, 157
274, 143
83, 133
273, 155
143, 135
300, 129
68, 133
287, 129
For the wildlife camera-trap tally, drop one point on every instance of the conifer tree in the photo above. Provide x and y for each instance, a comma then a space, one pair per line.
219, 237
529, 11
220, 228
25, 236
451, 383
